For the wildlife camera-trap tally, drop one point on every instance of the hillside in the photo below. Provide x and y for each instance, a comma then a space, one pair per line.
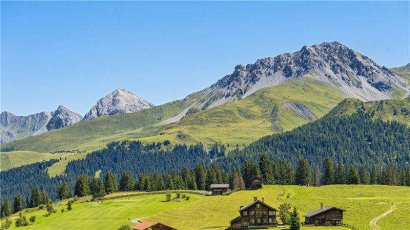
403, 71
361, 202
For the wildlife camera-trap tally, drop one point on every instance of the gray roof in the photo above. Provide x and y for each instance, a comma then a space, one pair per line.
219, 186
253, 203
316, 212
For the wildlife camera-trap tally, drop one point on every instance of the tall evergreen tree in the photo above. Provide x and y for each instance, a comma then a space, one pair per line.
200, 176
82, 186
110, 183
373, 175
35, 199
353, 176
18, 204
294, 220
340, 176
249, 170
97, 188
266, 169
328, 172
316, 177
392, 174
7, 208
364, 176
63, 191
302, 176
127, 182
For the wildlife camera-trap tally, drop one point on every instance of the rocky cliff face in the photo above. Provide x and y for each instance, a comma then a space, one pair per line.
14, 127
62, 117
118, 102
334, 64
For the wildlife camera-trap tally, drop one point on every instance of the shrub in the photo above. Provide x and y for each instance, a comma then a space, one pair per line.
178, 195
50, 208
32, 219
62, 210
124, 227
6, 224
168, 197
21, 221
69, 205
187, 197
183, 195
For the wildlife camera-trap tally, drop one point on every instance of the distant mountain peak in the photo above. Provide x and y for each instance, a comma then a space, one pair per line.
332, 63
119, 101
62, 117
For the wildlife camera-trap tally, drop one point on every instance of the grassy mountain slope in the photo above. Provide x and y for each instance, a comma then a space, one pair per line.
361, 202
387, 110
270, 110
96, 133
403, 71
19, 158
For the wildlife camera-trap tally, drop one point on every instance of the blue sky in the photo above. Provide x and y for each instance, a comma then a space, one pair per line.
74, 53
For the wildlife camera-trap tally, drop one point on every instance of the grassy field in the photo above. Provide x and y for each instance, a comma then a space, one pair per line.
14, 159
361, 202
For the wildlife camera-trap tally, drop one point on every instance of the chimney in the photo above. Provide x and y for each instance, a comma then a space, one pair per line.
263, 199
255, 198
321, 205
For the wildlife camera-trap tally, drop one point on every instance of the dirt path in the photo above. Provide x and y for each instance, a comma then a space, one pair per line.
374, 221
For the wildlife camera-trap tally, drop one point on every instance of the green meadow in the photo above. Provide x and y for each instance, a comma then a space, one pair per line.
362, 203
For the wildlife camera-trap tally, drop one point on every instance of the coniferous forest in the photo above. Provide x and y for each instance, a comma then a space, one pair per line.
333, 150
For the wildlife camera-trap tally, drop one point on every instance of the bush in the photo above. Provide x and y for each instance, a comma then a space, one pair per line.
168, 197
187, 197
62, 210
32, 219
50, 208
124, 227
178, 195
6, 224
21, 221
69, 205
183, 195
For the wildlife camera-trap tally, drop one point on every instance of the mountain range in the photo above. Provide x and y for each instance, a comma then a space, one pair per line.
273, 95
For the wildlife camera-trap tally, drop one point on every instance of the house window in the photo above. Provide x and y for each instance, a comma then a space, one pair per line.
252, 213
271, 213
258, 205
265, 220
265, 212
252, 221
244, 223
259, 220
258, 213
245, 213
270, 221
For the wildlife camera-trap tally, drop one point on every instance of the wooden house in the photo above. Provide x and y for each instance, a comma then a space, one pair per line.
151, 226
255, 215
255, 182
325, 216
219, 189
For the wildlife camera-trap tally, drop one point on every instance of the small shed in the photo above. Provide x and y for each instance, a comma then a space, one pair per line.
218, 189
325, 216
256, 182
152, 226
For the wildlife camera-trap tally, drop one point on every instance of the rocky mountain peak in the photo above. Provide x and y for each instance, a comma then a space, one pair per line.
62, 117
331, 63
119, 101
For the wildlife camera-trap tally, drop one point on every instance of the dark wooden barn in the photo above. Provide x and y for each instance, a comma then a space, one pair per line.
218, 189
148, 225
255, 215
256, 182
325, 216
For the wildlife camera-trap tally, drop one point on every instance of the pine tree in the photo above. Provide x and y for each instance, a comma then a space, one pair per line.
316, 177
391, 174
127, 182
63, 191
18, 204
97, 188
302, 176
82, 186
200, 176
7, 208
373, 175
294, 220
353, 176
35, 199
340, 177
249, 170
210, 177
110, 183
364, 176
266, 169
328, 172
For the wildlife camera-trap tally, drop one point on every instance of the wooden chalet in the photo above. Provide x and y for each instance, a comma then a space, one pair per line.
256, 182
151, 226
218, 189
325, 216
255, 215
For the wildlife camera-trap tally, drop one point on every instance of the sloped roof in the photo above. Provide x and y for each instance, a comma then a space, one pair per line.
147, 224
255, 202
255, 177
319, 211
219, 186
235, 220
